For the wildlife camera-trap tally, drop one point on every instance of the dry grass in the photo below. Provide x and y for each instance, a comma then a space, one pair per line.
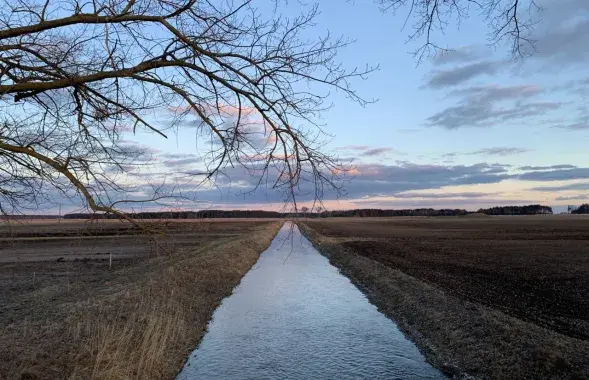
139, 323
457, 334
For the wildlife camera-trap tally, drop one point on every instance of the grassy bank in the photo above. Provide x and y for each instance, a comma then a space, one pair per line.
439, 299
137, 321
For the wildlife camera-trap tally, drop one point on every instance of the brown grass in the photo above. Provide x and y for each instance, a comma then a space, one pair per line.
138, 322
425, 274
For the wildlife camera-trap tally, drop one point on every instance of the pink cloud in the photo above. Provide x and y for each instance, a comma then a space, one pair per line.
225, 110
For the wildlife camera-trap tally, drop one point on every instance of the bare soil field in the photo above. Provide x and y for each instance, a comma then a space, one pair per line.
68, 312
490, 273
103, 240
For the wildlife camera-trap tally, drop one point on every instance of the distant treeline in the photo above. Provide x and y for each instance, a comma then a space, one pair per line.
375, 212
517, 210
273, 214
582, 209
362, 213
184, 214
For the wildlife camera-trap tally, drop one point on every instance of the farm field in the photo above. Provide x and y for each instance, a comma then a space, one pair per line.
100, 240
77, 299
516, 284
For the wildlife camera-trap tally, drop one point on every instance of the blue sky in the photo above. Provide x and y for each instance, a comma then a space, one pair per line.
470, 128
399, 119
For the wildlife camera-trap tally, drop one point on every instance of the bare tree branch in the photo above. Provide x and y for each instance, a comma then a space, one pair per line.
509, 21
74, 75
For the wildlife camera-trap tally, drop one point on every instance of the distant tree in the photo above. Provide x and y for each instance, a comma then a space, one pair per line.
304, 209
184, 214
582, 209
390, 213
517, 210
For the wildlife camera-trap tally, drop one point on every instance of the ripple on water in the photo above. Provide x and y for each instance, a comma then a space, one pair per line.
294, 316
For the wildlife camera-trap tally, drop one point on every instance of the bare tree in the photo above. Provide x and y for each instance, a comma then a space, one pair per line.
75, 74
507, 20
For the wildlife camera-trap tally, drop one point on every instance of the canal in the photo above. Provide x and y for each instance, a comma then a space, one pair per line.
294, 316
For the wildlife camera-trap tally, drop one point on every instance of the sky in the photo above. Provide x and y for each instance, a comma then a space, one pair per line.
468, 110
469, 128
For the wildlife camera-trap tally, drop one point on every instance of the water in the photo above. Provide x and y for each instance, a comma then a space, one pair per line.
294, 316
